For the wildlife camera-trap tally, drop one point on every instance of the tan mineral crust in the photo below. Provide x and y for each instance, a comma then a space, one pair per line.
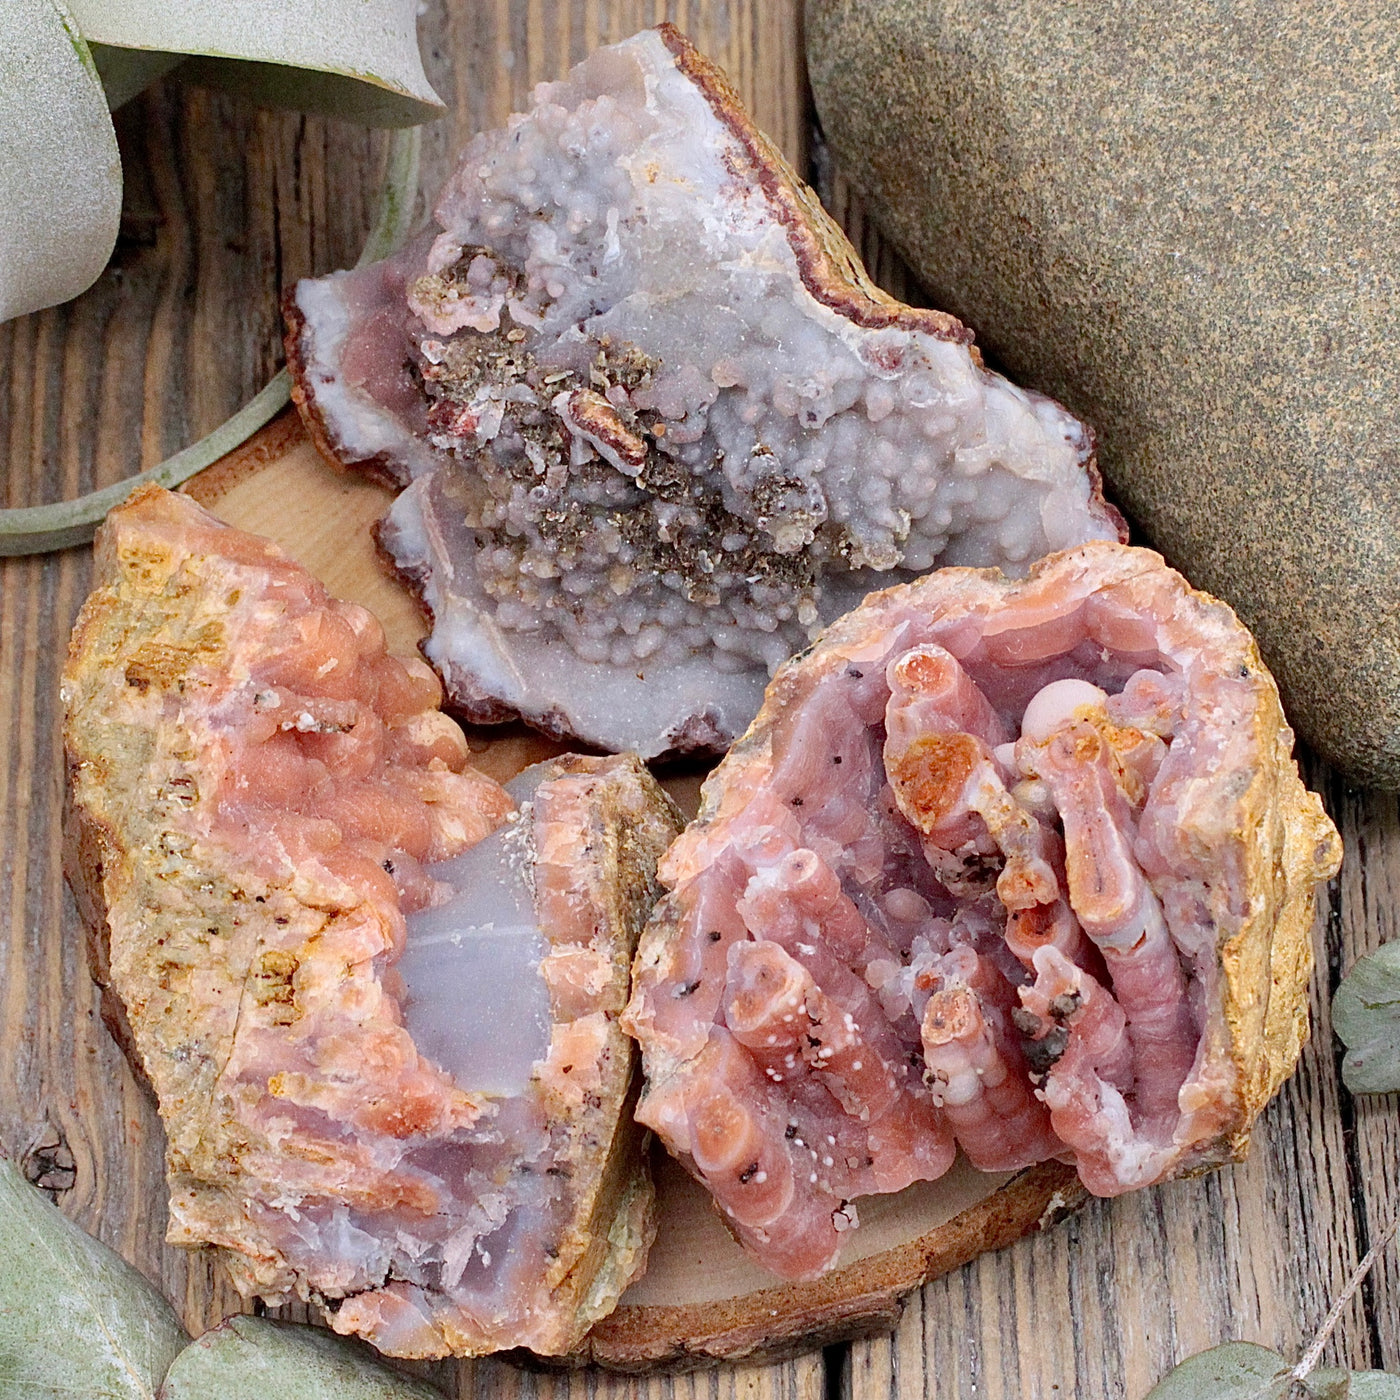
375, 993
1021, 868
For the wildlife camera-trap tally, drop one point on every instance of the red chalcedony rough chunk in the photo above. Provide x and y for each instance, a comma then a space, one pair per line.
1017, 867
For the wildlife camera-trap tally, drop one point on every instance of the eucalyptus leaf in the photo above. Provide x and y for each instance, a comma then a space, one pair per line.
1366, 1015
254, 1358
1235, 1371
61, 175
1353, 1385
76, 1320
361, 56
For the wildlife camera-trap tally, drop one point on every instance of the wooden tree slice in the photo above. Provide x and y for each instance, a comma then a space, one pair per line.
702, 1298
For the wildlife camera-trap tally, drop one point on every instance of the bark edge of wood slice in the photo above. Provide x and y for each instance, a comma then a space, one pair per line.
702, 1300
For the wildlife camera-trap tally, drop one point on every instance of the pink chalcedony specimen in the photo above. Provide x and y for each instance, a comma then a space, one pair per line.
375, 993
1018, 867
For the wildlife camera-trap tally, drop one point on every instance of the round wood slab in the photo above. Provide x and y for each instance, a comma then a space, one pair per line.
702, 1298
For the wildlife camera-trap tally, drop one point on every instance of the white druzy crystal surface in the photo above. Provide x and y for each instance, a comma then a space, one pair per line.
652, 442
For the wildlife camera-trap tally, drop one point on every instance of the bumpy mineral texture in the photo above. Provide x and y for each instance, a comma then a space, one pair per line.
1021, 868
1179, 218
655, 424
375, 993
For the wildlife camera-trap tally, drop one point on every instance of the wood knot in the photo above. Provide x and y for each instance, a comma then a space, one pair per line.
49, 1164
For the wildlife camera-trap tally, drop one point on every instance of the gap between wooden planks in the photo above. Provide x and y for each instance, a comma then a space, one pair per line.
224, 204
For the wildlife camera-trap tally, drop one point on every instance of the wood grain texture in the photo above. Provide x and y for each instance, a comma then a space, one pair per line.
223, 205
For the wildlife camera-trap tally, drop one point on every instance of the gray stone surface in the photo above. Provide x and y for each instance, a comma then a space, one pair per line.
1182, 220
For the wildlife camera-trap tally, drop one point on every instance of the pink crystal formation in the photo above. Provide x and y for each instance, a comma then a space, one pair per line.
962, 886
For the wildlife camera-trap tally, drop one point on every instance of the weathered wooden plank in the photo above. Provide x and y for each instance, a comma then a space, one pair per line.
803, 1379
225, 203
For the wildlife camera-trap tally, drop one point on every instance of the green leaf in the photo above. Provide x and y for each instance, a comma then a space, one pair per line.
76, 1320
1366, 1015
1353, 1385
60, 173
35, 529
1235, 1371
254, 1358
356, 59
355, 97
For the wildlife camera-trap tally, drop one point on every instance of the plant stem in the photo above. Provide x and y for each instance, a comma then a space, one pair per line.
1310, 1357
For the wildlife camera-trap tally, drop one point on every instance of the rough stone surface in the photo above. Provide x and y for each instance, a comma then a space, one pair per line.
1179, 220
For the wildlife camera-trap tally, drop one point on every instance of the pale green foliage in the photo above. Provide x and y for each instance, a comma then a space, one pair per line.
1235, 1371
356, 59
77, 1322
75, 1318
60, 174
1353, 1385
252, 1358
1366, 1015
1244, 1371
